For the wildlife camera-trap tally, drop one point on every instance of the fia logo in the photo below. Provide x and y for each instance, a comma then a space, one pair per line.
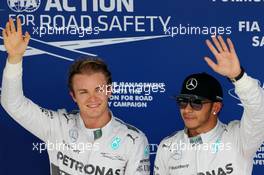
23, 5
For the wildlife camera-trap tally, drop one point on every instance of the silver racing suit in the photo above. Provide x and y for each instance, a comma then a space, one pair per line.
226, 149
73, 149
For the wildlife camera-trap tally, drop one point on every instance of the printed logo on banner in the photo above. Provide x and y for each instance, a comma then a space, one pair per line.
259, 156
232, 93
93, 19
134, 94
153, 147
252, 27
82, 19
23, 5
238, 1
87, 19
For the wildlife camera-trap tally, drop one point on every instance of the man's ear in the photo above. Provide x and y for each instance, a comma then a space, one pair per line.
217, 106
73, 96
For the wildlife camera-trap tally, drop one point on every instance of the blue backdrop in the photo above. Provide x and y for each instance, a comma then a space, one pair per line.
155, 42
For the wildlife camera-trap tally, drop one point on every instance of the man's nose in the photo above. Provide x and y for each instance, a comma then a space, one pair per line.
188, 108
92, 97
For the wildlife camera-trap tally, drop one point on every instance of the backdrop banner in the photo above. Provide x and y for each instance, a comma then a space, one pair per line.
150, 47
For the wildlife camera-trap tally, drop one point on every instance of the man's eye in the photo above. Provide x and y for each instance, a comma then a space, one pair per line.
99, 89
82, 92
197, 101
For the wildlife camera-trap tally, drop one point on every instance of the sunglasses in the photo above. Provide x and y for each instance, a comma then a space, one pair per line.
195, 102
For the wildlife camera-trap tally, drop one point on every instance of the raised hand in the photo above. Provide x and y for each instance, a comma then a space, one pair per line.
15, 43
227, 62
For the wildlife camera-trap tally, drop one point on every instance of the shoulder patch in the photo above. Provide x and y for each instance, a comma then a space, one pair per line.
166, 145
47, 113
171, 135
130, 127
73, 112
70, 115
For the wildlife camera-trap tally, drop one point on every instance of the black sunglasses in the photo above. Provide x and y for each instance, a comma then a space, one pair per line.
195, 102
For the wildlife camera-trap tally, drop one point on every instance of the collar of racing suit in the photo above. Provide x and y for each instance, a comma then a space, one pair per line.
207, 137
97, 133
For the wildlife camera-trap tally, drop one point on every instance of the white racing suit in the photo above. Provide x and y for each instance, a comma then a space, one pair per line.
226, 149
115, 149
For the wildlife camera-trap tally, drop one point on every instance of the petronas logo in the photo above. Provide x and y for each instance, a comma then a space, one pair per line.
115, 143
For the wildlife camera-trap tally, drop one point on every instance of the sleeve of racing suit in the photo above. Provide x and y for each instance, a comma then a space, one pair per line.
138, 163
160, 165
35, 119
251, 130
